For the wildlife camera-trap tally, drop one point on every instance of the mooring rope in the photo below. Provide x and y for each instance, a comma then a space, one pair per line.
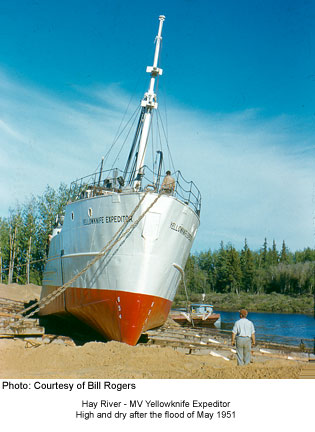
107, 248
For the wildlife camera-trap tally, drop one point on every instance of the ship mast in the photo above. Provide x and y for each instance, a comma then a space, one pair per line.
148, 104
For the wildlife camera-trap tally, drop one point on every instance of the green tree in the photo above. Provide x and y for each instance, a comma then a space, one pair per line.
24, 235
49, 205
264, 254
30, 236
196, 279
284, 258
222, 271
248, 268
273, 257
307, 254
234, 269
4, 249
206, 262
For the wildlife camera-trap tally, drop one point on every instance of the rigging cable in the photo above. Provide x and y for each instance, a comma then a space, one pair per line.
166, 120
111, 147
159, 135
133, 93
169, 151
133, 119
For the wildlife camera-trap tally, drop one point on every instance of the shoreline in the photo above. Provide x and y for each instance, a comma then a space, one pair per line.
31, 292
69, 357
260, 303
267, 312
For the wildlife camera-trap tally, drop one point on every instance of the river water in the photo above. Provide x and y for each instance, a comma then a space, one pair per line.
274, 327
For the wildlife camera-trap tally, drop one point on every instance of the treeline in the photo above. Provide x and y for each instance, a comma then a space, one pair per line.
265, 271
24, 236
24, 247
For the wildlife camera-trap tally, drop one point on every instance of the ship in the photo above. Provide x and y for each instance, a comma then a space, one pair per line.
116, 251
196, 315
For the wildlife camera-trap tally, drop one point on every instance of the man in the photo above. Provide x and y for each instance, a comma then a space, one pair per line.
244, 333
168, 184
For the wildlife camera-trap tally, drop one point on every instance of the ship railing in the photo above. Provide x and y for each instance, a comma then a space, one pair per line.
108, 181
184, 190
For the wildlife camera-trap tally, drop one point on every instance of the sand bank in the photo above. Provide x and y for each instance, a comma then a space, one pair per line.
120, 361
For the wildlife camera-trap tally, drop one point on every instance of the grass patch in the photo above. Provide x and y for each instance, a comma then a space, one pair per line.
274, 302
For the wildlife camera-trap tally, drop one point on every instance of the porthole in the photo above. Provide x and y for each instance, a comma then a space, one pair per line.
90, 212
72, 216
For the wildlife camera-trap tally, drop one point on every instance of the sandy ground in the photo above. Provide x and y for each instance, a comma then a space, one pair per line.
17, 292
120, 361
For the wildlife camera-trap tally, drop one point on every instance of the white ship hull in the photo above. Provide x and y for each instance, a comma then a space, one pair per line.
130, 289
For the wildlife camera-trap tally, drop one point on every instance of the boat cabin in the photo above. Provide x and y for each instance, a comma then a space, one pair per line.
200, 308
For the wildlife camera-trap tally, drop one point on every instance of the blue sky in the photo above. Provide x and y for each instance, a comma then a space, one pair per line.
238, 84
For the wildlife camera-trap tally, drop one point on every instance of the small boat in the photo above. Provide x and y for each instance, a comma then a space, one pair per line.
117, 253
197, 315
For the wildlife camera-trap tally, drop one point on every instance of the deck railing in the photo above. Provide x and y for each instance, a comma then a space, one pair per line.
108, 181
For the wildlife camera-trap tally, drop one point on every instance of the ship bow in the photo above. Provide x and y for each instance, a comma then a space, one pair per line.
118, 315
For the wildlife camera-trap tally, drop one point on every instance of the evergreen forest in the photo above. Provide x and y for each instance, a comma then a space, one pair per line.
226, 271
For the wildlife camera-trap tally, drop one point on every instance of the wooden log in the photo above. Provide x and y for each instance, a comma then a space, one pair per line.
8, 314
202, 344
22, 331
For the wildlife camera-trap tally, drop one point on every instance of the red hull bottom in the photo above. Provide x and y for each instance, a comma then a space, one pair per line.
117, 315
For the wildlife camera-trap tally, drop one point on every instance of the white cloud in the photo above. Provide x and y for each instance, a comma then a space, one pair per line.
45, 140
7, 130
256, 178
256, 175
